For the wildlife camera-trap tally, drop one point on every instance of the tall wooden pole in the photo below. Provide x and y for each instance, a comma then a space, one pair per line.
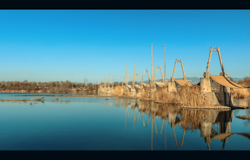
165, 62
151, 62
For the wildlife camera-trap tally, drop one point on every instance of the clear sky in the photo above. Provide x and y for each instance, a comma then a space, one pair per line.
60, 45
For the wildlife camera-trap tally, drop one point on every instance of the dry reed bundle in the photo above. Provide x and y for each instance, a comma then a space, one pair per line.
126, 93
191, 96
164, 95
118, 90
187, 95
241, 93
144, 93
245, 82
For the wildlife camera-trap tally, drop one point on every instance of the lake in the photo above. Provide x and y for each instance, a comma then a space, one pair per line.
106, 123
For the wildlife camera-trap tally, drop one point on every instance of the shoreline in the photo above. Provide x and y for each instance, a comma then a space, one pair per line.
77, 95
41, 91
128, 97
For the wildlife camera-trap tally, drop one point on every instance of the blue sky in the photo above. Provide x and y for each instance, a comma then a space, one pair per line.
60, 45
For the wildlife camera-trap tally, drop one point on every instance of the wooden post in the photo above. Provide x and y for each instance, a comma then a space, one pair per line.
165, 63
152, 62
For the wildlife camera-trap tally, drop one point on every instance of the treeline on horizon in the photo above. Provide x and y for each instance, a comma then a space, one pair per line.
245, 82
67, 86
45, 87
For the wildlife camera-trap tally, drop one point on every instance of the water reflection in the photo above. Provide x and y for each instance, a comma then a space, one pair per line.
213, 124
76, 125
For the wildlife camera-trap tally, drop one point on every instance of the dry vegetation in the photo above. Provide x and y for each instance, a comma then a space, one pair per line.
162, 95
126, 93
192, 96
145, 93
118, 90
186, 95
245, 82
242, 93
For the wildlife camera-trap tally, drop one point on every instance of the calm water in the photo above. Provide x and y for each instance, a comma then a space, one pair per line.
88, 123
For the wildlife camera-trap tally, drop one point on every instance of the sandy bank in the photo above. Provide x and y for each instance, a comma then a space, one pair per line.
209, 107
243, 116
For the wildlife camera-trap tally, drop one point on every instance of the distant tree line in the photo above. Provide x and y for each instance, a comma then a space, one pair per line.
52, 87
245, 82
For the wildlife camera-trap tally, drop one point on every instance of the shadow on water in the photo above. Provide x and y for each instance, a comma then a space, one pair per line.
213, 124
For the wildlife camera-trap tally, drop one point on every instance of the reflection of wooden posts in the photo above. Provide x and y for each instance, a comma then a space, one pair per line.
153, 115
225, 128
134, 119
176, 139
206, 129
143, 120
223, 121
208, 146
130, 114
223, 146
126, 108
165, 135
183, 137
138, 116
175, 136
156, 127
113, 106
151, 133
